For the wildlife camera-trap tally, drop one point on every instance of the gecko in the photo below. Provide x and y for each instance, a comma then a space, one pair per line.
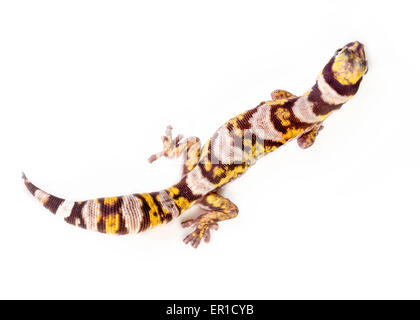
232, 150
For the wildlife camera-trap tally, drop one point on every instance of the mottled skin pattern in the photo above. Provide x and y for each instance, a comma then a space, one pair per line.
234, 147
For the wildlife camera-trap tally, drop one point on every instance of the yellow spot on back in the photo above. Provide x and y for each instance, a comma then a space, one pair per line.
217, 172
232, 174
234, 120
283, 115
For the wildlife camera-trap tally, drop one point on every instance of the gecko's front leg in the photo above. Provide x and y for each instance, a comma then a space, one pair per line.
217, 208
307, 139
281, 94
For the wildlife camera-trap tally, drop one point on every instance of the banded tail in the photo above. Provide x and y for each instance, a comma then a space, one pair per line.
115, 215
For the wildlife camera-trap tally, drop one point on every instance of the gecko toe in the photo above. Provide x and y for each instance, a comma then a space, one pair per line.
207, 236
188, 223
202, 231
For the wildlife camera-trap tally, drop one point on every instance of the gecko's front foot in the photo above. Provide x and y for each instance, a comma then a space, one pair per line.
202, 231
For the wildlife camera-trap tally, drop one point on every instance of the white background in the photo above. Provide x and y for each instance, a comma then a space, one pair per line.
88, 87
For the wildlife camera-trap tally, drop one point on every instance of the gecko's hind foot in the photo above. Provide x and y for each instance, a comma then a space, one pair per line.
170, 145
202, 230
216, 208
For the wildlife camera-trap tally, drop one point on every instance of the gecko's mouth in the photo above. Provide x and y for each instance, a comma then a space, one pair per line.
366, 66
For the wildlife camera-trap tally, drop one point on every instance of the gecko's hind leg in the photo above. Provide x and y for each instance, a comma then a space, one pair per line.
281, 94
175, 147
217, 208
169, 145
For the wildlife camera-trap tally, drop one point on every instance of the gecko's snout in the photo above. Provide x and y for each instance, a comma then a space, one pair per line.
350, 63
357, 47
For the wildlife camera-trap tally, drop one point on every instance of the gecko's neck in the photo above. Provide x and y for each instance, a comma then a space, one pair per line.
318, 103
328, 95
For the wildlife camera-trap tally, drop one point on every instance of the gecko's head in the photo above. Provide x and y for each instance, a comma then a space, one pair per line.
349, 63
346, 69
